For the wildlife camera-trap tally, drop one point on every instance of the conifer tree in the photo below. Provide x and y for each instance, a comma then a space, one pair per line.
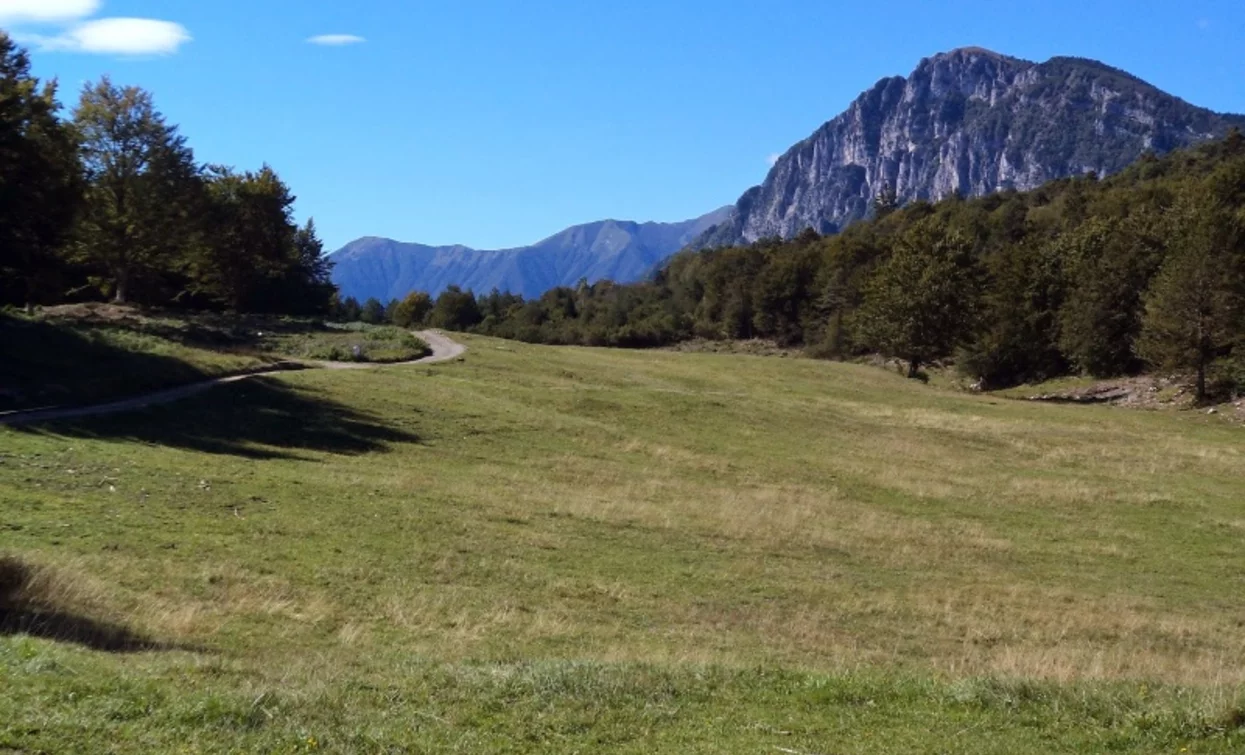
1195, 309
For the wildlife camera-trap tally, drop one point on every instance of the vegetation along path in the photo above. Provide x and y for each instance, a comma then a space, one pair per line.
443, 349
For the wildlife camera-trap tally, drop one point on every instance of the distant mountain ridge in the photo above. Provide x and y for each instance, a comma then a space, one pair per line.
614, 249
969, 121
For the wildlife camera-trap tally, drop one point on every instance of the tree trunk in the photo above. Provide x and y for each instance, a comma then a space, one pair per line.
914, 367
30, 295
1201, 381
123, 289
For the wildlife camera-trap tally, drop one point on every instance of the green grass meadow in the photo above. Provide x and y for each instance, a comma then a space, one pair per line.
578, 550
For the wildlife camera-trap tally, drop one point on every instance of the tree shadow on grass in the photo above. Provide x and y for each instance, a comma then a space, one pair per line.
23, 611
44, 364
259, 418
81, 630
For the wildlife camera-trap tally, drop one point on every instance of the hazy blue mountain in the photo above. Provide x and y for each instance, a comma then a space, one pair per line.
969, 121
618, 250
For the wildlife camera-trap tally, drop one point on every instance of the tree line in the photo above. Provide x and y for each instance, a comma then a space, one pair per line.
1145, 269
111, 203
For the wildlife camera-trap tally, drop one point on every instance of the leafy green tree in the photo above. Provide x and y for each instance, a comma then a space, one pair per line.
142, 187
236, 257
373, 312
40, 179
1110, 264
781, 295
412, 310
737, 312
497, 305
348, 310
455, 309
254, 257
309, 279
1195, 309
1019, 339
923, 301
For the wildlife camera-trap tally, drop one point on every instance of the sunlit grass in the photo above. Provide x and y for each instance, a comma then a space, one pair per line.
572, 549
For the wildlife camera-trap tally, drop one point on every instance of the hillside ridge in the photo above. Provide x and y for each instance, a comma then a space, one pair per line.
385, 269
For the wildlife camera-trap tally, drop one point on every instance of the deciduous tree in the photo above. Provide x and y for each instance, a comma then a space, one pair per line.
923, 301
142, 187
413, 309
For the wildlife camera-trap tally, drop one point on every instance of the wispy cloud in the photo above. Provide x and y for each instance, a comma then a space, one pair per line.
1203, 23
336, 40
46, 11
773, 159
117, 36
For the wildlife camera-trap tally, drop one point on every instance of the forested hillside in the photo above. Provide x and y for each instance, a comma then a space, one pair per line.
111, 203
1104, 277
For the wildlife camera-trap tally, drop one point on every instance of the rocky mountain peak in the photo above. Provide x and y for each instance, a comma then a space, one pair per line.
968, 121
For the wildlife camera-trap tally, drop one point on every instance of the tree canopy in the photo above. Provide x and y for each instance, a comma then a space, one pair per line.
112, 204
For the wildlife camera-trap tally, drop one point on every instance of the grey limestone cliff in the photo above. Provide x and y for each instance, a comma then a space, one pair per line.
969, 121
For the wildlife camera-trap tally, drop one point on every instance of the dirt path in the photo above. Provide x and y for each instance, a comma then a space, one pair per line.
443, 350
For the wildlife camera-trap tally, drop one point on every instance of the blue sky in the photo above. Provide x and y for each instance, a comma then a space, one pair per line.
494, 123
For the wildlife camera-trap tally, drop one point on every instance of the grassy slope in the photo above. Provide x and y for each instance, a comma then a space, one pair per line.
46, 364
84, 360
570, 549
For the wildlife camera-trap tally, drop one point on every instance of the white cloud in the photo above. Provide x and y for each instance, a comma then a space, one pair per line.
45, 11
773, 159
336, 40
118, 36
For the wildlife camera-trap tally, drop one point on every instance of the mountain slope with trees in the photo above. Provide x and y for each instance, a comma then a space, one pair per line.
968, 122
1084, 275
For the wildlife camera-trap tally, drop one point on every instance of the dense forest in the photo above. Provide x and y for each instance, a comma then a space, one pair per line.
111, 203
1101, 277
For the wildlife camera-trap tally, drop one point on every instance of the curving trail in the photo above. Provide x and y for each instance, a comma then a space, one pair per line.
443, 348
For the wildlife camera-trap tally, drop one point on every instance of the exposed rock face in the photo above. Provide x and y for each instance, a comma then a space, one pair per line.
968, 121
621, 251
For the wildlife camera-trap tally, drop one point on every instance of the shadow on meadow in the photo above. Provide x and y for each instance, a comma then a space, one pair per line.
43, 364
260, 418
28, 606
